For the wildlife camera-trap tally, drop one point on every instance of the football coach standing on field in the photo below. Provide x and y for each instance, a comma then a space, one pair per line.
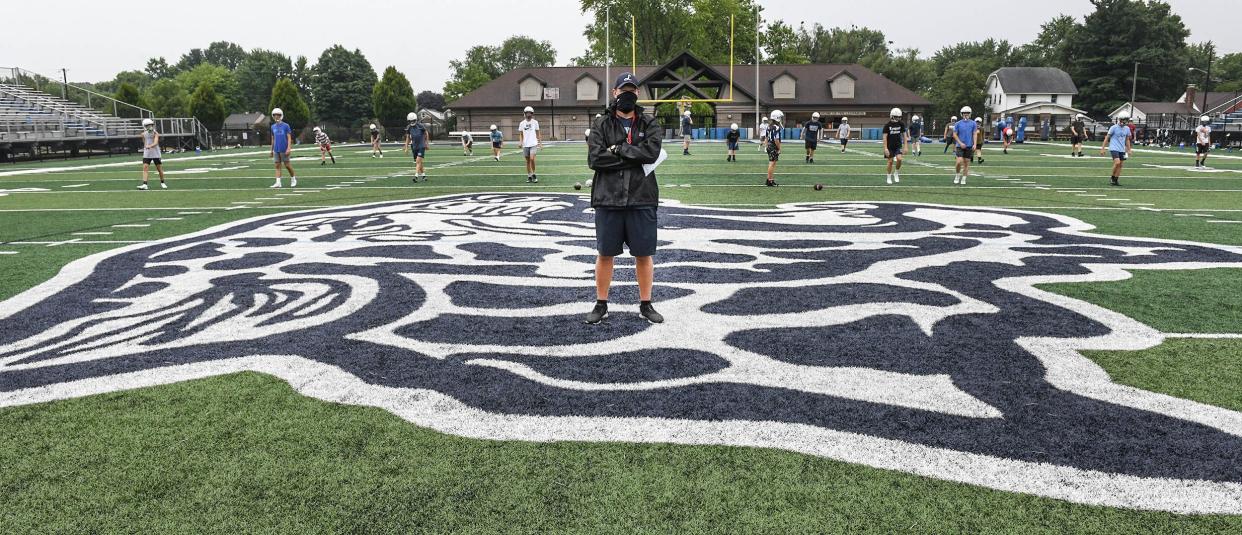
623, 195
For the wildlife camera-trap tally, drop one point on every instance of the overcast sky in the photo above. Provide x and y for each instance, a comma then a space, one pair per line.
95, 40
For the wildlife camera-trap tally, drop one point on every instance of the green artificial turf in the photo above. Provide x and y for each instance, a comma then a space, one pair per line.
245, 453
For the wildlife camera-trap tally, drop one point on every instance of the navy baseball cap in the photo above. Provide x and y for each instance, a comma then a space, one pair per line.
626, 78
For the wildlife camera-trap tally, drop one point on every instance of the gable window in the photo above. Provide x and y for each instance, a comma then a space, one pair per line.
1054, 98
1022, 99
784, 86
588, 89
530, 89
841, 87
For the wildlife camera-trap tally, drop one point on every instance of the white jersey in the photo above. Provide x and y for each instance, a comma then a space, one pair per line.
843, 131
528, 128
1203, 134
148, 137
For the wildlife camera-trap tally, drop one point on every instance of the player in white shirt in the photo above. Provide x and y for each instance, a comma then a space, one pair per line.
529, 130
843, 133
1203, 140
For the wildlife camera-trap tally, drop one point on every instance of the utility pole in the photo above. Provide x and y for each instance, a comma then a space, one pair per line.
608, 50
1133, 89
1207, 76
758, 121
64, 92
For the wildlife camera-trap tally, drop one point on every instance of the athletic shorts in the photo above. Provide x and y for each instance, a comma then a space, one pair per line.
374, 137
845, 141
685, 134
773, 154
155, 161
528, 152
1202, 148
812, 143
281, 157
966, 153
732, 145
1118, 155
1075, 140
894, 152
633, 227
496, 144
325, 146
418, 151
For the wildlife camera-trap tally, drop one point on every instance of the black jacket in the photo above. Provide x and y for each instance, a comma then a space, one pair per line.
619, 179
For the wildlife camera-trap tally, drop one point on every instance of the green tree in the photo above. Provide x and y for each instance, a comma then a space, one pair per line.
128, 93
157, 68
342, 85
1113, 37
1051, 47
483, 64
207, 106
430, 100
167, 99
225, 54
257, 75
301, 77
780, 44
961, 84
667, 28
990, 53
906, 68
842, 45
1229, 70
190, 60
392, 98
285, 96
222, 80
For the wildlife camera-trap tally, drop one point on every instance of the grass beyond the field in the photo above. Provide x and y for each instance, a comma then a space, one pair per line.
247, 453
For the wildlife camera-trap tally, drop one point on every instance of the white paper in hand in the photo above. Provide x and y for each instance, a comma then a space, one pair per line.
649, 168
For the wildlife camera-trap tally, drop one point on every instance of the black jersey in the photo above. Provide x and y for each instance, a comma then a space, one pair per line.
895, 134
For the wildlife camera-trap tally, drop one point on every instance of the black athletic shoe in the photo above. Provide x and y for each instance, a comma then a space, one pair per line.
1115, 182
649, 312
1006, 151
771, 183
597, 314
321, 162
812, 160
534, 179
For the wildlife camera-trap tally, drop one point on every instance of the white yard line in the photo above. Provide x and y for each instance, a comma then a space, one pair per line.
91, 233
132, 225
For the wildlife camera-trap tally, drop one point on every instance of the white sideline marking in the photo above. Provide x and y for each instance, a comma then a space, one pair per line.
132, 225
91, 233
1222, 221
8, 252
191, 213
1210, 336
166, 219
75, 185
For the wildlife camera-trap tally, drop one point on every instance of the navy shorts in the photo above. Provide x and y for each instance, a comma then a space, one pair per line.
812, 143
496, 144
968, 153
732, 145
155, 161
1202, 148
418, 151
845, 141
894, 152
1118, 155
633, 227
773, 153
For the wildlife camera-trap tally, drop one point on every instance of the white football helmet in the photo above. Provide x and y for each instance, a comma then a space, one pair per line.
845, 119
1205, 119
685, 113
1122, 116
315, 129
373, 127
895, 112
777, 115
916, 119
979, 120
953, 119
493, 127
148, 122
278, 112
528, 109
733, 126
815, 115
965, 110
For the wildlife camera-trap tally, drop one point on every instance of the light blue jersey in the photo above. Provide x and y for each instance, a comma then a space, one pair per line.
965, 130
1117, 136
280, 139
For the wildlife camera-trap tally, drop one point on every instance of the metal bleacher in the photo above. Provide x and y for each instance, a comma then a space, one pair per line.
35, 122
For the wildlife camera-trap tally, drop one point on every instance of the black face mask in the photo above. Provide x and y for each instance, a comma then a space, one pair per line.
627, 101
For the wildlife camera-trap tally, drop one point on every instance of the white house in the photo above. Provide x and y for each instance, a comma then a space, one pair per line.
1038, 93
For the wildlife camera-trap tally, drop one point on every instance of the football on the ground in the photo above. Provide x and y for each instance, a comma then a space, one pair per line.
819, 187
577, 185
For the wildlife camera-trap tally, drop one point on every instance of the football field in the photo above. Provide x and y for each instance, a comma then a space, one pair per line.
1048, 353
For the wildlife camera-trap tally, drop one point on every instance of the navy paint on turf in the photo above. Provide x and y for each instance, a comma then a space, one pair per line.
977, 351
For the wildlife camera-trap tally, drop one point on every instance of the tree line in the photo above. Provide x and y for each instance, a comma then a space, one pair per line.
1098, 51
341, 88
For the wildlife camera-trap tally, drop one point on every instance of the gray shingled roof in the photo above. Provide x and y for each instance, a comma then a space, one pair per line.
870, 88
243, 121
1156, 108
1035, 80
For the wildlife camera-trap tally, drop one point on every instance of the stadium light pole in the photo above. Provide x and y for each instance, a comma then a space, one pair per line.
608, 49
1133, 88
